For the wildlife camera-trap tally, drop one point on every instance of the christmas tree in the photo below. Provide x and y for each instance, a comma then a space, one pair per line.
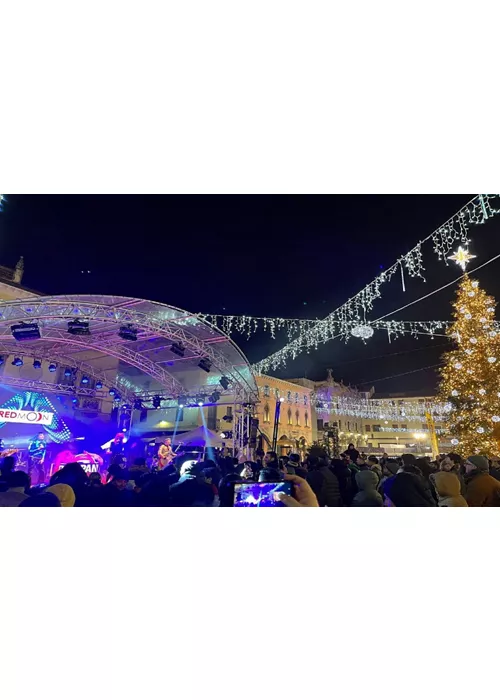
470, 381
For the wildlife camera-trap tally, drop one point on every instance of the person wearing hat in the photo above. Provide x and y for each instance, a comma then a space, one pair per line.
407, 490
482, 488
294, 464
64, 493
447, 487
389, 468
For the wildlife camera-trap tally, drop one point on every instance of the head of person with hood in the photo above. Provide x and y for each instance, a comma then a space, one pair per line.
367, 482
482, 488
41, 500
390, 468
447, 485
407, 490
64, 493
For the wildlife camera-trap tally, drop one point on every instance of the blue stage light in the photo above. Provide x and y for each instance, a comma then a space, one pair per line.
112, 392
67, 372
37, 364
85, 380
52, 367
98, 385
17, 362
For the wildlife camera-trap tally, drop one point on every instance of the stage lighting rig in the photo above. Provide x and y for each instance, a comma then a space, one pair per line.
2, 361
224, 382
17, 362
156, 401
112, 392
228, 418
200, 399
52, 367
214, 397
68, 372
98, 384
128, 332
25, 331
205, 364
85, 380
37, 364
77, 327
178, 349
182, 401
138, 404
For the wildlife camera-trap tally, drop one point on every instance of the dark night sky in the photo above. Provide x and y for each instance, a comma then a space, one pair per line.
292, 255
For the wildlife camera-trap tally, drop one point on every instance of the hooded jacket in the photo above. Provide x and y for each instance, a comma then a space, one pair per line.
367, 482
64, 493
482, 489
447, 486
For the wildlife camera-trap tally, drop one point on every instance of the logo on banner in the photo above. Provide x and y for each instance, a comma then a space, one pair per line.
29, 417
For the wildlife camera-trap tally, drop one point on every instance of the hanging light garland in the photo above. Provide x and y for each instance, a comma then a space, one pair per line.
378, 409
353, 313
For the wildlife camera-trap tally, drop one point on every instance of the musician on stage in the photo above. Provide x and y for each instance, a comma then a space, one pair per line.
36, 450
166, 454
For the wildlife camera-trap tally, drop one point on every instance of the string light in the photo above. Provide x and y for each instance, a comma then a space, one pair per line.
354, 311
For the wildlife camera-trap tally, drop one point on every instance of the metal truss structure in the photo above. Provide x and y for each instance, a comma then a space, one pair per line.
157, 326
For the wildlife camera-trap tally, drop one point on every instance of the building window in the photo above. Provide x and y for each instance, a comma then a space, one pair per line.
297, 418
376, 428
404, 426
289, 416
367, 429
266, 414
306, 419
395, 426
305, 399
277, 394
229, 411
424, 426
320, 424
267, 391
296, 397
289, 396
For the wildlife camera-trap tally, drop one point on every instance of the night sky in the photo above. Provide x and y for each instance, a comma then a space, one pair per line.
292, 256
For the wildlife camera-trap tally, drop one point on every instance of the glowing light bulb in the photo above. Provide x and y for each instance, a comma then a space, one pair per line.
491, 360
471, 294
458, 365
454, 441
482, 392
473, 341
480, 430
495, 419
455, 393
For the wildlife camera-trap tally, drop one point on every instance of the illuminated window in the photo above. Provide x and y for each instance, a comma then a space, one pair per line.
267, 391
296, 397
367, 429
306, 419
297, 418
289, 396
395, 426
266, 414
289, 415
376, 428
277, 394
404, 426
305, 399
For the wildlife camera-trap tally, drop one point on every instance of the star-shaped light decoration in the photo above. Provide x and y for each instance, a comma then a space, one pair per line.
462, 257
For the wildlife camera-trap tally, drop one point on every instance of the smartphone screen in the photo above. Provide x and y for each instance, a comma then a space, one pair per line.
261, 495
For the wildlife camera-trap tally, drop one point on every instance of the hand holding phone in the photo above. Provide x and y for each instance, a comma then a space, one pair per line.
262, 494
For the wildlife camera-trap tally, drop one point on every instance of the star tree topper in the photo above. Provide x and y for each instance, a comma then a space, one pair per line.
462, 257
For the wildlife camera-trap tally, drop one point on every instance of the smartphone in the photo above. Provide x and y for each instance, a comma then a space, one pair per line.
260, 495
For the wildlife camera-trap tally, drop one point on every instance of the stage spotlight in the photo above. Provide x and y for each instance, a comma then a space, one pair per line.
25, 331
85, 380
118, 397
222, 435
2, 361
125, 407
52, 367
200, 399
156, 401
67, 372
98, 385
112, 392
37, 364
214, 397
205, 364
17, 362
178, 349
78, 327
224, 382
128, 332
138, 404
74, 401
182, 401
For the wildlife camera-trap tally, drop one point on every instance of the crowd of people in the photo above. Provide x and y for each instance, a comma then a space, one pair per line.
351, 480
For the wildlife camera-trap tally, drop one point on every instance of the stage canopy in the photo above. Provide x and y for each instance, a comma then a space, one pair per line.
146, 362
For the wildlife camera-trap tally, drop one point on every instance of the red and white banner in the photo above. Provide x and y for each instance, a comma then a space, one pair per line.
31, 417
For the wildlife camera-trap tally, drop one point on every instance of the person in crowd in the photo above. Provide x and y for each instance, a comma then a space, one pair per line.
447, 487
41, 500
115, 493
191, 489
17, 485
367, 482
389, 468
495, 467
384, 459
75, 476
482, 488
303, 495
64, 493
362, 463
408, 460
352, 452
455, 464
345, 477
8, 466
95, 480
323, 481
406, 489
226, 489
294, 463
374, 466
271, 470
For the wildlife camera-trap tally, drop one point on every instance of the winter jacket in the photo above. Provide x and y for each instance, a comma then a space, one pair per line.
408, 490
447, 487
345, 478
482, 489
367, 495
325, 485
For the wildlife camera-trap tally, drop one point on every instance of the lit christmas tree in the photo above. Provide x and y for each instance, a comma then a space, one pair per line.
470, 378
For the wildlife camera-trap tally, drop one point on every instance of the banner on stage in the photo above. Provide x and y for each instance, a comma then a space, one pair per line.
29, 417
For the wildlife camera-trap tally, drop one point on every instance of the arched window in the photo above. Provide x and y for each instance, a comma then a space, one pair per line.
266, 414
267, 390
306, 418
297, 418
289, 416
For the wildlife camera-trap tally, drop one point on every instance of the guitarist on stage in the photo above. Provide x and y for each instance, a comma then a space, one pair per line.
166, 454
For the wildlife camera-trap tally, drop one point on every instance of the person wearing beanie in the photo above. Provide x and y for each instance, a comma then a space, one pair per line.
64, 493
407, 490
389, 468
294, 464
374, 466
367, 482
482, 488
447, 486
452, 462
